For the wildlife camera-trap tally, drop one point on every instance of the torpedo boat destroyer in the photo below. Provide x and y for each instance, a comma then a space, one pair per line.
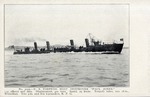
92, 45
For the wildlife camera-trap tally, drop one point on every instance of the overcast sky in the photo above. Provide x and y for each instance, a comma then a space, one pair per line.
25, 24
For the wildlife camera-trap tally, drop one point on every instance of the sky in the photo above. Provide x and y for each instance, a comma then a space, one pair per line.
25, 24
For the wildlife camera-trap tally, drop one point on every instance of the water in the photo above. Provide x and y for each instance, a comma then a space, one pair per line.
67, 70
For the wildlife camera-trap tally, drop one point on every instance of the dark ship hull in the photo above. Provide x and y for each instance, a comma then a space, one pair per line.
94, 46
40, 52
115, 48
107, 48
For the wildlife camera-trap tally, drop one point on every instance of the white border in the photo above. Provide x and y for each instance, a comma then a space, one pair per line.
139, 65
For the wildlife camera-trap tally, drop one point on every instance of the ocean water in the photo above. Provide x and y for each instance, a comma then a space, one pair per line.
67, 70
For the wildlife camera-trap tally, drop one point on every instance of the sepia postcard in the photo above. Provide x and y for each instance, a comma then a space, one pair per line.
75, 48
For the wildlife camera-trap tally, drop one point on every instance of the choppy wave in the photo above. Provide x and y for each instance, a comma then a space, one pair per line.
67, 70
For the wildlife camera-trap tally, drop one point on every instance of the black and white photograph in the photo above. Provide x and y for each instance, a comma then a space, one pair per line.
66, 45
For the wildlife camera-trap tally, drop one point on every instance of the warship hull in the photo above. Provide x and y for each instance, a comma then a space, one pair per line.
40, 52
94, 46
107, 48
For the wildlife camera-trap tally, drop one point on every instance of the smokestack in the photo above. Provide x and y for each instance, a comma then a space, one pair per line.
48, 45
87, 42
71, 43
35, 46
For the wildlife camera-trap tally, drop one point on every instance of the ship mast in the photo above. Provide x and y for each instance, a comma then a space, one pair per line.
94, 40
91, 38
